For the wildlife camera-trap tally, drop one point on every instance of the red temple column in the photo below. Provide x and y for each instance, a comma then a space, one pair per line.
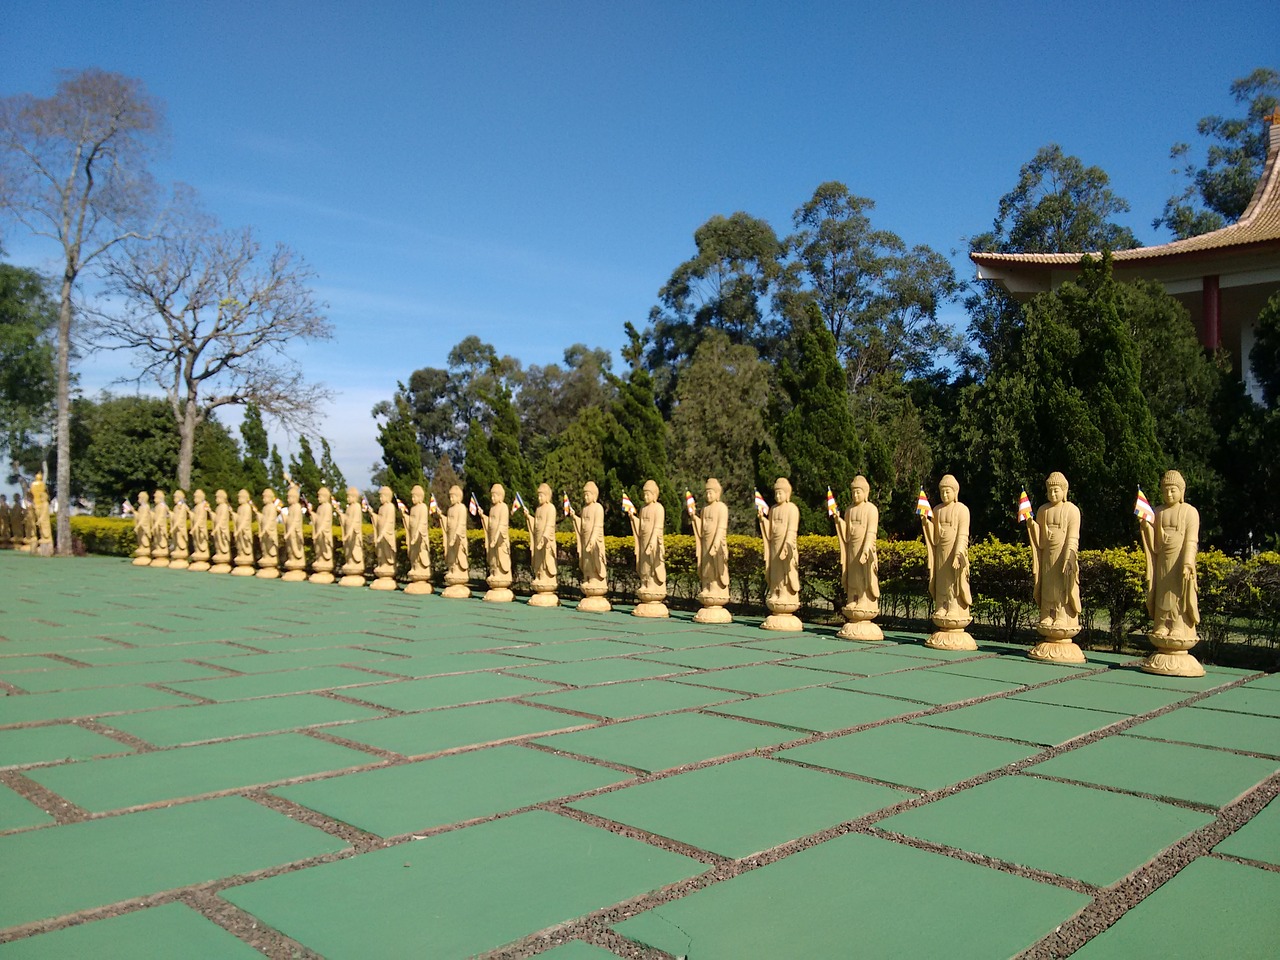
1212, 301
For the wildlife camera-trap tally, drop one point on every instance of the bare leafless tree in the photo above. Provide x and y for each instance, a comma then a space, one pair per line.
73, 169
212, 316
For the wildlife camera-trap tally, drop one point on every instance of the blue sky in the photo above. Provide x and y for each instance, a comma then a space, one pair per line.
531, 172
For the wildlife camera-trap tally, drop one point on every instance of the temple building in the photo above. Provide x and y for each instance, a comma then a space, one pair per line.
1224, 277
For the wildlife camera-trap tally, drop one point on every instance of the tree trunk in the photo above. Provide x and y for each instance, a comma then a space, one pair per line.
187, 424
63, 427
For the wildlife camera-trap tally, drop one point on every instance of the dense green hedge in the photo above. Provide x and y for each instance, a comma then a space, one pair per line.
1239, 599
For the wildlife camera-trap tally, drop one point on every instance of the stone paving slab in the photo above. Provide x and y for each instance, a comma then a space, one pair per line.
1023, 720
1214, 728
809, 645
710, 658
245, 661
80, 678
1023, 819
1246, 699
929, 686
461, 893
1090, 694
1129, 673
50, 872
22, 664
590, 672
623, 700
585, 650
16, 812
818, 709
63, 741
75, 704
659, 743
205, 652
156, 933
216, 721
434, 731
762, 678
250, 685
742, 807
434, 793
1259, 839
926, 758
120, 782
1160, 769
1014, 669
1234, 909
858, 895
864, 663
446, 691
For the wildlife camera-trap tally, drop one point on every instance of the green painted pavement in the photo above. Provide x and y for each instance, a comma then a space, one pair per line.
460, 893
928, 686
120, 782
1259, 839
820, 709
1013, 669
81, 678
63, 741
121, 656
1270, 682
912, 756
1210, 909
448, 691
742, 807
1088, 693
246, 662
1023, 820
762, 678
157, 933
1246, 699
59, 870
858, 896
17, 812
809, 645
709, 658
236, 718
416, 734
585, 650
451, 789
74, 704
864, 663
444, 664
1215, 728
638, 698
659, 743
253, 685
1214, 677
589, 672
1022, 720
22, 664
1163, 770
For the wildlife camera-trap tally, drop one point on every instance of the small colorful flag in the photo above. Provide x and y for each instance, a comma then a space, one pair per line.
1024, 507
400, 504
517, 503
762, 505
568, 508
364, 504
690, 504
474, 506
1142, 508
922, 505
628, 507
832, 509
433, 507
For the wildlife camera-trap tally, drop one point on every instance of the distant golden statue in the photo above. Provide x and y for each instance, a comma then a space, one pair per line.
295, 556
244, 535
946, 537
199, 533
542, 550
141, 530
711, 548
1171, 543
269, 536
647, 526
322, 537
779, 527
592, 562
179, 535
457, 562
221, 559
159, 531
859, 564
497, 546
1054, 533
353, 541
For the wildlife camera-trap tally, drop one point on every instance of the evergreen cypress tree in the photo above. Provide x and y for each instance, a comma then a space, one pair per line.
635, 446
331, 475
256, 450
816, 435
401, 455
305, 471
